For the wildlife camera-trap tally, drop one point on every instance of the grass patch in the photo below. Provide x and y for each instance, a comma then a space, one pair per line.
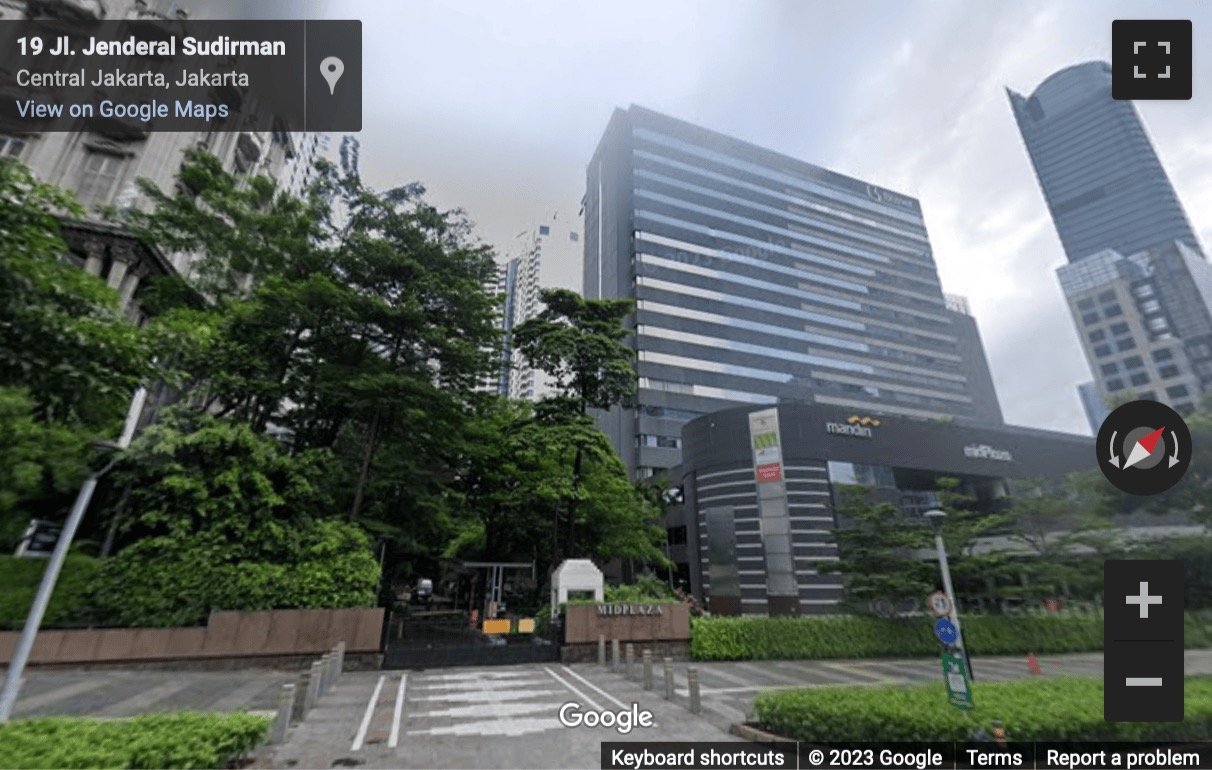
180, 740
1060, 709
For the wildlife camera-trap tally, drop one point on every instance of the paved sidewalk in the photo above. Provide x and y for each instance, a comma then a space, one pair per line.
128, 692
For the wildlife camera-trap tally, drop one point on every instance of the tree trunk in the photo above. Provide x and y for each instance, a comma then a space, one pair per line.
364, 474
572, 503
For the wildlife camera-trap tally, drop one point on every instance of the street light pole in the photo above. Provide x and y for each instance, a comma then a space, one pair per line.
25, 645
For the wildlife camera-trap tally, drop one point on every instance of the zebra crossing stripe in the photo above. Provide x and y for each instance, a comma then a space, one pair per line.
394, 740
370, 712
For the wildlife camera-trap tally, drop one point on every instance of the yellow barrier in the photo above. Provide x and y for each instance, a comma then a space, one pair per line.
496, 626
526, 625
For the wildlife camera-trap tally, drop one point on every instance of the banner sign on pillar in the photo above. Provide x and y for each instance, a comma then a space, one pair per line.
767, 449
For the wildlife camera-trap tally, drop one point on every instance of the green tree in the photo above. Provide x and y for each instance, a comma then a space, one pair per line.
69, 359
879, 551
580, 343
357, 321
518, 473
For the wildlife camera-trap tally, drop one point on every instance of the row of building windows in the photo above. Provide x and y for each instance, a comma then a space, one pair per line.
668, 413
910, 242
653, 440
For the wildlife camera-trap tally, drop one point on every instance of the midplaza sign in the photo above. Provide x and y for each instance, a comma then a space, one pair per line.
605, 610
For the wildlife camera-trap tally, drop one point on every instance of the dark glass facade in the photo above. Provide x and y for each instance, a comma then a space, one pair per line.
1101, 178
760, 485
759, 278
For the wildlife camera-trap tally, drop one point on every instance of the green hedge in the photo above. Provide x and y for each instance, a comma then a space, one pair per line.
19, 580
759, 638
163, 581
1061, 709
184, 739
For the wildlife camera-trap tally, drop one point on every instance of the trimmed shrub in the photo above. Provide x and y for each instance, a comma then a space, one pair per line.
759, 638
181, 740
1061, 709
167, 581
19, 581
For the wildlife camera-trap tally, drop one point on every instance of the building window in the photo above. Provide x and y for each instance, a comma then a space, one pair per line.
1127, 343
1106, 296
1168, 372
664, 442
1119, 328
1110, 369
1089, 318
858, 474
1199, 350
1085, 304
1176, 391
1115, 384
1144, 290
544, 230
1133, 362
1148, 395
1150, 306
1162, 355
1102, 351
11, 146
1098, 335
676, 535
1140, 378
1112, 310
1157, 324
99, 174
574, 236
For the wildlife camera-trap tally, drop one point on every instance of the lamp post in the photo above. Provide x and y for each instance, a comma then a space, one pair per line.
936, 518
25, 645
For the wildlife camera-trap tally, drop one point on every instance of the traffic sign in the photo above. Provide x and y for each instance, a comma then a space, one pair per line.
946, 631
955, 676
940, 605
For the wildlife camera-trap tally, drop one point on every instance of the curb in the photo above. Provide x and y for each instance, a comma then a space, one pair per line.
757, 735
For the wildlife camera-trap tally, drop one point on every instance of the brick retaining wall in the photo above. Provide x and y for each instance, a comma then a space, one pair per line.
277, 638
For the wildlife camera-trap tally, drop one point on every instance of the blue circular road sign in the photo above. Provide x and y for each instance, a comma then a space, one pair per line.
946, 631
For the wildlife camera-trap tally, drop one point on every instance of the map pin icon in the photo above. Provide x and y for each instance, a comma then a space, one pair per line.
332, 68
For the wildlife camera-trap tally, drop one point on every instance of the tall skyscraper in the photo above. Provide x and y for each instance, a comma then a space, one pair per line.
1137, 282
547, 256
760, 278
1101, 178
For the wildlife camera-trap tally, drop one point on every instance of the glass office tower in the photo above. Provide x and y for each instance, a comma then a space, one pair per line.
758, 279
1137, 283
1101, 178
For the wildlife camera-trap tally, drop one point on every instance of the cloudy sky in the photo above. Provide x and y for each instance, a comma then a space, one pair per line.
496, 106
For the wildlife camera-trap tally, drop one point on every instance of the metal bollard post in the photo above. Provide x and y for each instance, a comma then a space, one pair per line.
647, 656
668, 678
601, 649
300, 710
615, 657
325, 672
286, 707
692, 683
313, 687
340, 659
630, 659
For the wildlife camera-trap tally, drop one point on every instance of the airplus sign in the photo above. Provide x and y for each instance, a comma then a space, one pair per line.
1144, 600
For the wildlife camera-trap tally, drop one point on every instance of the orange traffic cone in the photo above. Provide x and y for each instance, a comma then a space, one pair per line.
1033, 665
